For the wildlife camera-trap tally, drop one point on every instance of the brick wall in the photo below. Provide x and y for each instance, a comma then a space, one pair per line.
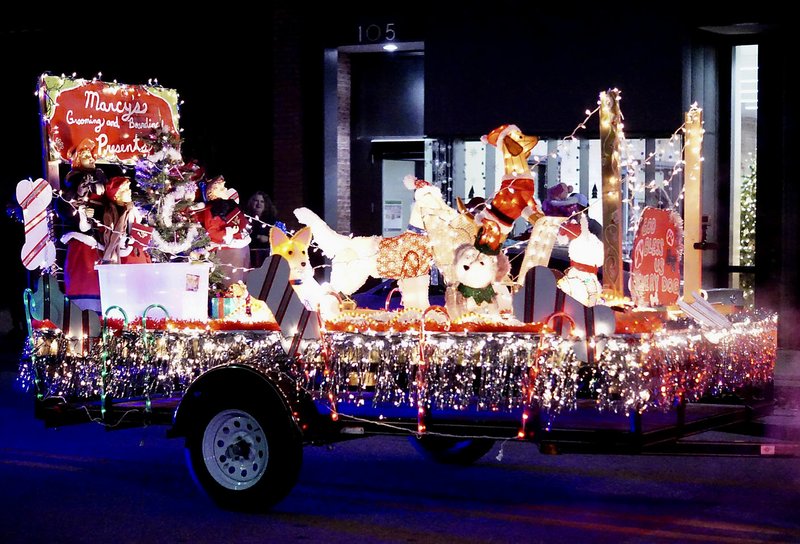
343, 144
287, 128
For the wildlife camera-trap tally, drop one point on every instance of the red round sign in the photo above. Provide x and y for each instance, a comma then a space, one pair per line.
657, 250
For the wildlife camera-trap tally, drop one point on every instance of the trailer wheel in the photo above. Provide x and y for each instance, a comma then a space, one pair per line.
246, 458
452, 450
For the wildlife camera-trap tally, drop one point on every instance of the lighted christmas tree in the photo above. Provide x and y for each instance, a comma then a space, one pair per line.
747, 231
166, 192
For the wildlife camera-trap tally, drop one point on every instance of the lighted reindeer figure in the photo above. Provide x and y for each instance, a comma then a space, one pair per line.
406, 258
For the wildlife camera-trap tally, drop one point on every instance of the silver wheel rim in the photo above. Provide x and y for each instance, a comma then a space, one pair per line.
235, 449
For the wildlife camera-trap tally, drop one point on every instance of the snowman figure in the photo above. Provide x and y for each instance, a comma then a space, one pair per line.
586, 257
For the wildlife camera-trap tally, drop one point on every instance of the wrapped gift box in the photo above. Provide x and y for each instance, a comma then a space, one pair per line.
222, 307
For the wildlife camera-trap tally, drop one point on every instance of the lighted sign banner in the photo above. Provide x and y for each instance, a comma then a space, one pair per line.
114, 115
657, 249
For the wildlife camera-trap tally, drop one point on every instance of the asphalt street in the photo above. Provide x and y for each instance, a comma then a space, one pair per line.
85, 484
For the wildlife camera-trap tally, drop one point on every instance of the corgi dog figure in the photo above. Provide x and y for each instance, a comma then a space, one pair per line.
315, 297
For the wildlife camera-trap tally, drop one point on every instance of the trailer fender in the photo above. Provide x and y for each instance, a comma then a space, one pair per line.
224, 383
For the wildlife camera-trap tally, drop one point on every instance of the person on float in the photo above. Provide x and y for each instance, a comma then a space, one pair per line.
79, 205
121, 219
227, 228
264, 216
260, 207
560, 201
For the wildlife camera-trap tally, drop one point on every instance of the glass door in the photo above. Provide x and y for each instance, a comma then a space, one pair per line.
744, 120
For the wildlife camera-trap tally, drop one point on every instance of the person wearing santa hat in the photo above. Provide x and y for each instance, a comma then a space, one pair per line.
120, 218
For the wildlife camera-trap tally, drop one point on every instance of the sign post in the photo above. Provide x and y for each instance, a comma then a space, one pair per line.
610, 120
656, 259
693, 203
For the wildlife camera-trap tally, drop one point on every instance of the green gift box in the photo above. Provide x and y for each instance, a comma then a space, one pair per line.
222, 307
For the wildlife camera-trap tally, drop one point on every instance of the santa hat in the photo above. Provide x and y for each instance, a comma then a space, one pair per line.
192, 171
497, 136
86, 143
412, 183
114, 185
569, 230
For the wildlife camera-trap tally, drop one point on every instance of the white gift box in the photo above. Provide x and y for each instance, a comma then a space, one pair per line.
181, 288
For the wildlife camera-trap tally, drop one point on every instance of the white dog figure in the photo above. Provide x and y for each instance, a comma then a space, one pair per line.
478, 288
315, 297
586, 256
406, 257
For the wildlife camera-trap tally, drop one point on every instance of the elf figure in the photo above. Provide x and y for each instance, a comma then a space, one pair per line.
125, 238
227, 227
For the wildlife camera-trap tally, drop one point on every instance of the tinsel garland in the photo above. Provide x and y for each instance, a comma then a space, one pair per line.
458, 371
654, 371
174, 248
182, 193
484, 371
154, 363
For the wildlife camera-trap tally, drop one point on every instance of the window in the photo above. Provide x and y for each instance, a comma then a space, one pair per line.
743, 164
652, 181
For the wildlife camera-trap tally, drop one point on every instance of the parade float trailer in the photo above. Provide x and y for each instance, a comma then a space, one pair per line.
262, 373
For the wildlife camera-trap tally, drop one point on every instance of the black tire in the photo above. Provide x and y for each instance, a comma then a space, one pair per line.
452, 450
247, 457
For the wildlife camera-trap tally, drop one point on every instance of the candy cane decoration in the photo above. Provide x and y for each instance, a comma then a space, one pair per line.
422, 408
34, 198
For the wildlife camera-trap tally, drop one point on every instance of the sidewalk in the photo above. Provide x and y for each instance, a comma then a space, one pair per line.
787, 385
787, 368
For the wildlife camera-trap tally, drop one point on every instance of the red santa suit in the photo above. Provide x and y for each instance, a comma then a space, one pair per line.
81, 282
84, 250
227, 227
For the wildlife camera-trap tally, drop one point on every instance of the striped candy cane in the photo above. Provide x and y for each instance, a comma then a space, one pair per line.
34, 198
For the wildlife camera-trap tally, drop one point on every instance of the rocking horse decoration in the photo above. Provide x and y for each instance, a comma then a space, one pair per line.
406, 257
